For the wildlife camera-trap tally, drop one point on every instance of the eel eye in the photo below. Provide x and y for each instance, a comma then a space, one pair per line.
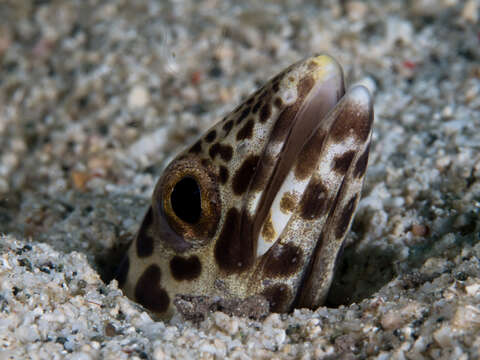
186, 201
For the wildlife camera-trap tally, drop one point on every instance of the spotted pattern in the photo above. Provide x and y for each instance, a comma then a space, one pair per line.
244, 174
196, 148
283, 260
244, 114
284, 121
205, 162
350, 122
276, 84
288, 202
268, 232
278, 296
265, 112
345, 217
314, 202
278, 102
308, 156
211, 136
225, 151
233, 251
304, 87
148, 291
185, 268
261, 175
257, 106
223, 174
342, 163
227, 127
361, 165
246, 132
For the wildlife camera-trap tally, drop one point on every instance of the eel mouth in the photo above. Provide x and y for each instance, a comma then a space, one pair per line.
319, 149
303, 118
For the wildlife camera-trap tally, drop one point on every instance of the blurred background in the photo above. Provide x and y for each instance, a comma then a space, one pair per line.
97, 96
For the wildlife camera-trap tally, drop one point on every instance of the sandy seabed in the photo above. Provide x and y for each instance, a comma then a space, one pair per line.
97, 96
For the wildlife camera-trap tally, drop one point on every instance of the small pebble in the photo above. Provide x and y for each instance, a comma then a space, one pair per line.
470, 11
138, 97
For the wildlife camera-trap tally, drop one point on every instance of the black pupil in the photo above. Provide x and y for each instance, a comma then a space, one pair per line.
185, 200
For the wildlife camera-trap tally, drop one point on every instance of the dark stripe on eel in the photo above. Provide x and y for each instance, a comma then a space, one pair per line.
314, 202
275, 171
352, 120
342, 163
144, 241
122, 271
148, 291
345, 217
185, 268
246, 132
279, 296
362, 162
234, 253
283, 260
225, 151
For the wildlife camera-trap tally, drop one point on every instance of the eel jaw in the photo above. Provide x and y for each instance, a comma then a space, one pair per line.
323, 189
327, 90
349, 135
